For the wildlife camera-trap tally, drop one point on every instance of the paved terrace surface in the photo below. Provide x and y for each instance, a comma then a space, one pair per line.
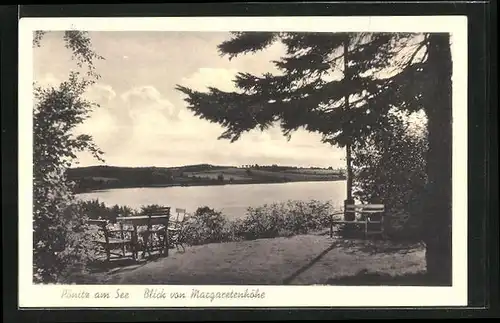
298, 260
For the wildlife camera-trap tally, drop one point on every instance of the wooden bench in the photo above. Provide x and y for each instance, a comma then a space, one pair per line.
370, 216
107, 239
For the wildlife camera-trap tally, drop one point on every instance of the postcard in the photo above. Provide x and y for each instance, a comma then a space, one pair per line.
243, 162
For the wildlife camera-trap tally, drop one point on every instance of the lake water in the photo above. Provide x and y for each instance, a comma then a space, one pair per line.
232, 200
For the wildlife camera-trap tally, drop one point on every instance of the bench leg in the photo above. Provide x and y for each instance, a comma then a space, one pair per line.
132, 249
162, 245
331, 225
135, 243
166, 242
146, 246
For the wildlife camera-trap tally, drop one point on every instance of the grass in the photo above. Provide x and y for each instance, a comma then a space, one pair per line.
299, 260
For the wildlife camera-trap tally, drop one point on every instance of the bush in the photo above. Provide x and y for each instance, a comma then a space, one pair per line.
62, 239
95, 209
261, 222
284, 219
145, 209
206, 226
267, 221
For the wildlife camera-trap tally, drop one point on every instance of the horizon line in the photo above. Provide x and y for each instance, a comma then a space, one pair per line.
209, 164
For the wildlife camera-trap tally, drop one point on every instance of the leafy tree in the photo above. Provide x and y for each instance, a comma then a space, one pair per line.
59, 227
389, 168
381, 71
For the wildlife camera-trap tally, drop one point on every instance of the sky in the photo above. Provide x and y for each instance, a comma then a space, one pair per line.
143, 121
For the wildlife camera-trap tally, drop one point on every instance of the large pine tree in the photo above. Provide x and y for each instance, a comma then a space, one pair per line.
343, 85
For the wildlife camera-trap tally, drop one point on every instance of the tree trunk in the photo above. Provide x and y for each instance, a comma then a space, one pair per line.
438, 210
348, 216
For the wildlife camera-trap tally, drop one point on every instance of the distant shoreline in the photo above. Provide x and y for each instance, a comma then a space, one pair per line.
99, 178
208, 184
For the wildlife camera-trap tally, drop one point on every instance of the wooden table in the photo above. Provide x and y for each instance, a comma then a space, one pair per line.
148, 221
144, 219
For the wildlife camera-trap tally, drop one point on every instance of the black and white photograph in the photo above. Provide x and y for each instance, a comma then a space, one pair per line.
215, 162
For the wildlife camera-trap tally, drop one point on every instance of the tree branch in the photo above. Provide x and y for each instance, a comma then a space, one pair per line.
420, 46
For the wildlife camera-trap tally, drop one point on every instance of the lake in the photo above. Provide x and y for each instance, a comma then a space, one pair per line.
232, 200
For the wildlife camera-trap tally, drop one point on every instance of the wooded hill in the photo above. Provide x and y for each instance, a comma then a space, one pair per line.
106, 177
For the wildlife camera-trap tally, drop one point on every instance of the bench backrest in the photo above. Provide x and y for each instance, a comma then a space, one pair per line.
163, 211
150, 218
98, 223
159, 216
143, 220
365, 208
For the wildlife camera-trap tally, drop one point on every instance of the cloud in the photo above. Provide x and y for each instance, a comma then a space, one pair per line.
100, 93
48, 80
205, 77
147, 102
142, 127
104, 122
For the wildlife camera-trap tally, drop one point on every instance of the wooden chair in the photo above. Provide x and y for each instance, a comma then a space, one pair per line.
180, 214
108, 240
176, 229
370, 216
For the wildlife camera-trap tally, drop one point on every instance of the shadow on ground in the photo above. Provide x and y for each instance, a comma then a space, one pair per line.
370, 247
